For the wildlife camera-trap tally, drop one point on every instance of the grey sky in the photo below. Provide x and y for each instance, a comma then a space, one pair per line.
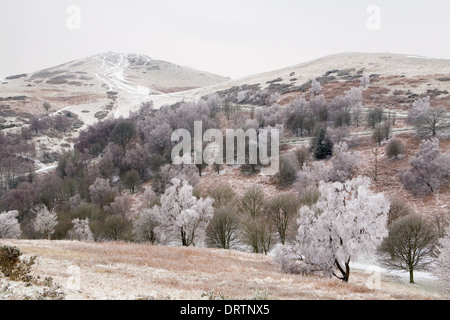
228, 37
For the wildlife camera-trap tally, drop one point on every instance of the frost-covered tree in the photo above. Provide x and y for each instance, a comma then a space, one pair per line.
442, 263
81, 230
340, 110
381, 132
344, 163
311, 175
319, 108
101, 192
214, 103
365, 80
158, 138
45, 222
298, 117
120, 206
9, 225
242, 96
430, 168
348, 220
427, 120
144, 227
182, 216
316, 88
138, 158
168, 172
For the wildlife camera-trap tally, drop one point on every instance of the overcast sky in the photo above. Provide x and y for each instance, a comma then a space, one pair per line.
233, 38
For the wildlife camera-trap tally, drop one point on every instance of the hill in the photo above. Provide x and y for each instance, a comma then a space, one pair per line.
136, 271
96, 86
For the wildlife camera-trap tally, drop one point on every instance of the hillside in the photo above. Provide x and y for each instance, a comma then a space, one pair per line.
349, 66
134, 271
109, 86
97, 86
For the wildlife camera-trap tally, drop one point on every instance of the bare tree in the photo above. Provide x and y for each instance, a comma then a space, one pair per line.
252, 203
280, 211
223, 195
410, 244
223, 230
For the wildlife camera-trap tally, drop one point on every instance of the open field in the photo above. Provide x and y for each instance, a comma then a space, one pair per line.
139, 271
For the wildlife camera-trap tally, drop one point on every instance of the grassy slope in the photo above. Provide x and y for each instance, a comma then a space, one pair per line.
133, 271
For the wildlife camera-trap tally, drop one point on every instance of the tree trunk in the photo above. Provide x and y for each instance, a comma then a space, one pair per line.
411, 275
345, 273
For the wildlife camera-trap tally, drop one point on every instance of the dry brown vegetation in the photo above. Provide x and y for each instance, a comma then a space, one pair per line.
139, 271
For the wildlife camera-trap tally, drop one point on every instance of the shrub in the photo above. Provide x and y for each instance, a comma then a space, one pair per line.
9, 225
287, 173
394, 149
302, 156
12, 266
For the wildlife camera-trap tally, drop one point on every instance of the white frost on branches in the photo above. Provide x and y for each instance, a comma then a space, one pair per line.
365, 80
316, 88
344, 163
442, 263
45, 222
81, 230
9, 225
347, 220
182, 216
145, 225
